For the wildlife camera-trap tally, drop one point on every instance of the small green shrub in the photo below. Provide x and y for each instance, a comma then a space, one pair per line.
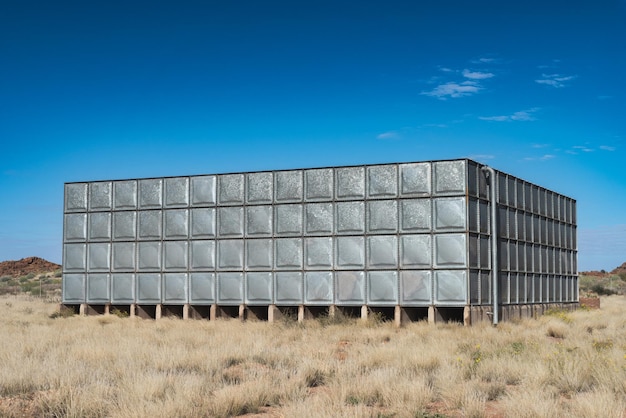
601, 290
119, 313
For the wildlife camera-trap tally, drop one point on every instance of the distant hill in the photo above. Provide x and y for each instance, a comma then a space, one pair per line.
26, 266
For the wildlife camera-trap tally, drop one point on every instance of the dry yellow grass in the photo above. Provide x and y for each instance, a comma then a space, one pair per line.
103, 366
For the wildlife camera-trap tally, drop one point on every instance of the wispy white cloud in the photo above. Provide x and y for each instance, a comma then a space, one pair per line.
540, 145
476, 75
555, 80
544, 157
485, 60
454, 90
582, 148
481, 157
388, 135
521, 116
471, 84
607, 148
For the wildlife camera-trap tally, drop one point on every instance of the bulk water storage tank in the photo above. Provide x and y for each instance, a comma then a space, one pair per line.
411, 240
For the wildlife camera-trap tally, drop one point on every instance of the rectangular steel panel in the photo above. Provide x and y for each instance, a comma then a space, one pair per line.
503, 222
259, 288
503, 255
175, 256
149, 256
350, 288
74, 288
288, 220
149, 225
230, 254
74, 257
288, 186
318, 287
150, 193
485, 252
124, 226
98, 288
416, 215
75, 227
350, 217
148, 288
521, 227
259, 221
350, 183
415, 179
175, 289
474, 287
123, 256
288, 253
318, 219
382, 252
230, 221
450, 287
450, 177
349, 253
259, 254
288, 288
260, 188
122, 288
473, 215
485, 288
318, 253
230, 288
503, 288
202, 288
100, 196
99, 257
318, 184
512, 224
100, 226
76, 197
513, 287
176, 192
382, 288
485, 217
176, 224
473, 174
450, 251
511, 191
231, 189
382, 216
203, 191
528, 226
415, 287
382, 181
512, 250
416, 251
450, 214
202, 223
473, 246
125, 195
202, 255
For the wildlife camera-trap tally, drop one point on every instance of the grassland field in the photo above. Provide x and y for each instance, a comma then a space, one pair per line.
562, 364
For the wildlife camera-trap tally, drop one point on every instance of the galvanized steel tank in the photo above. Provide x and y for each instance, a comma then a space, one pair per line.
404, 235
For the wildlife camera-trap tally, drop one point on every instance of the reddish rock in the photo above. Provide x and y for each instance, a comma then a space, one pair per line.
25, 266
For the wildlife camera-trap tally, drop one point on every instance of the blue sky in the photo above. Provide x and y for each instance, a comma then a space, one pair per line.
125, 89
